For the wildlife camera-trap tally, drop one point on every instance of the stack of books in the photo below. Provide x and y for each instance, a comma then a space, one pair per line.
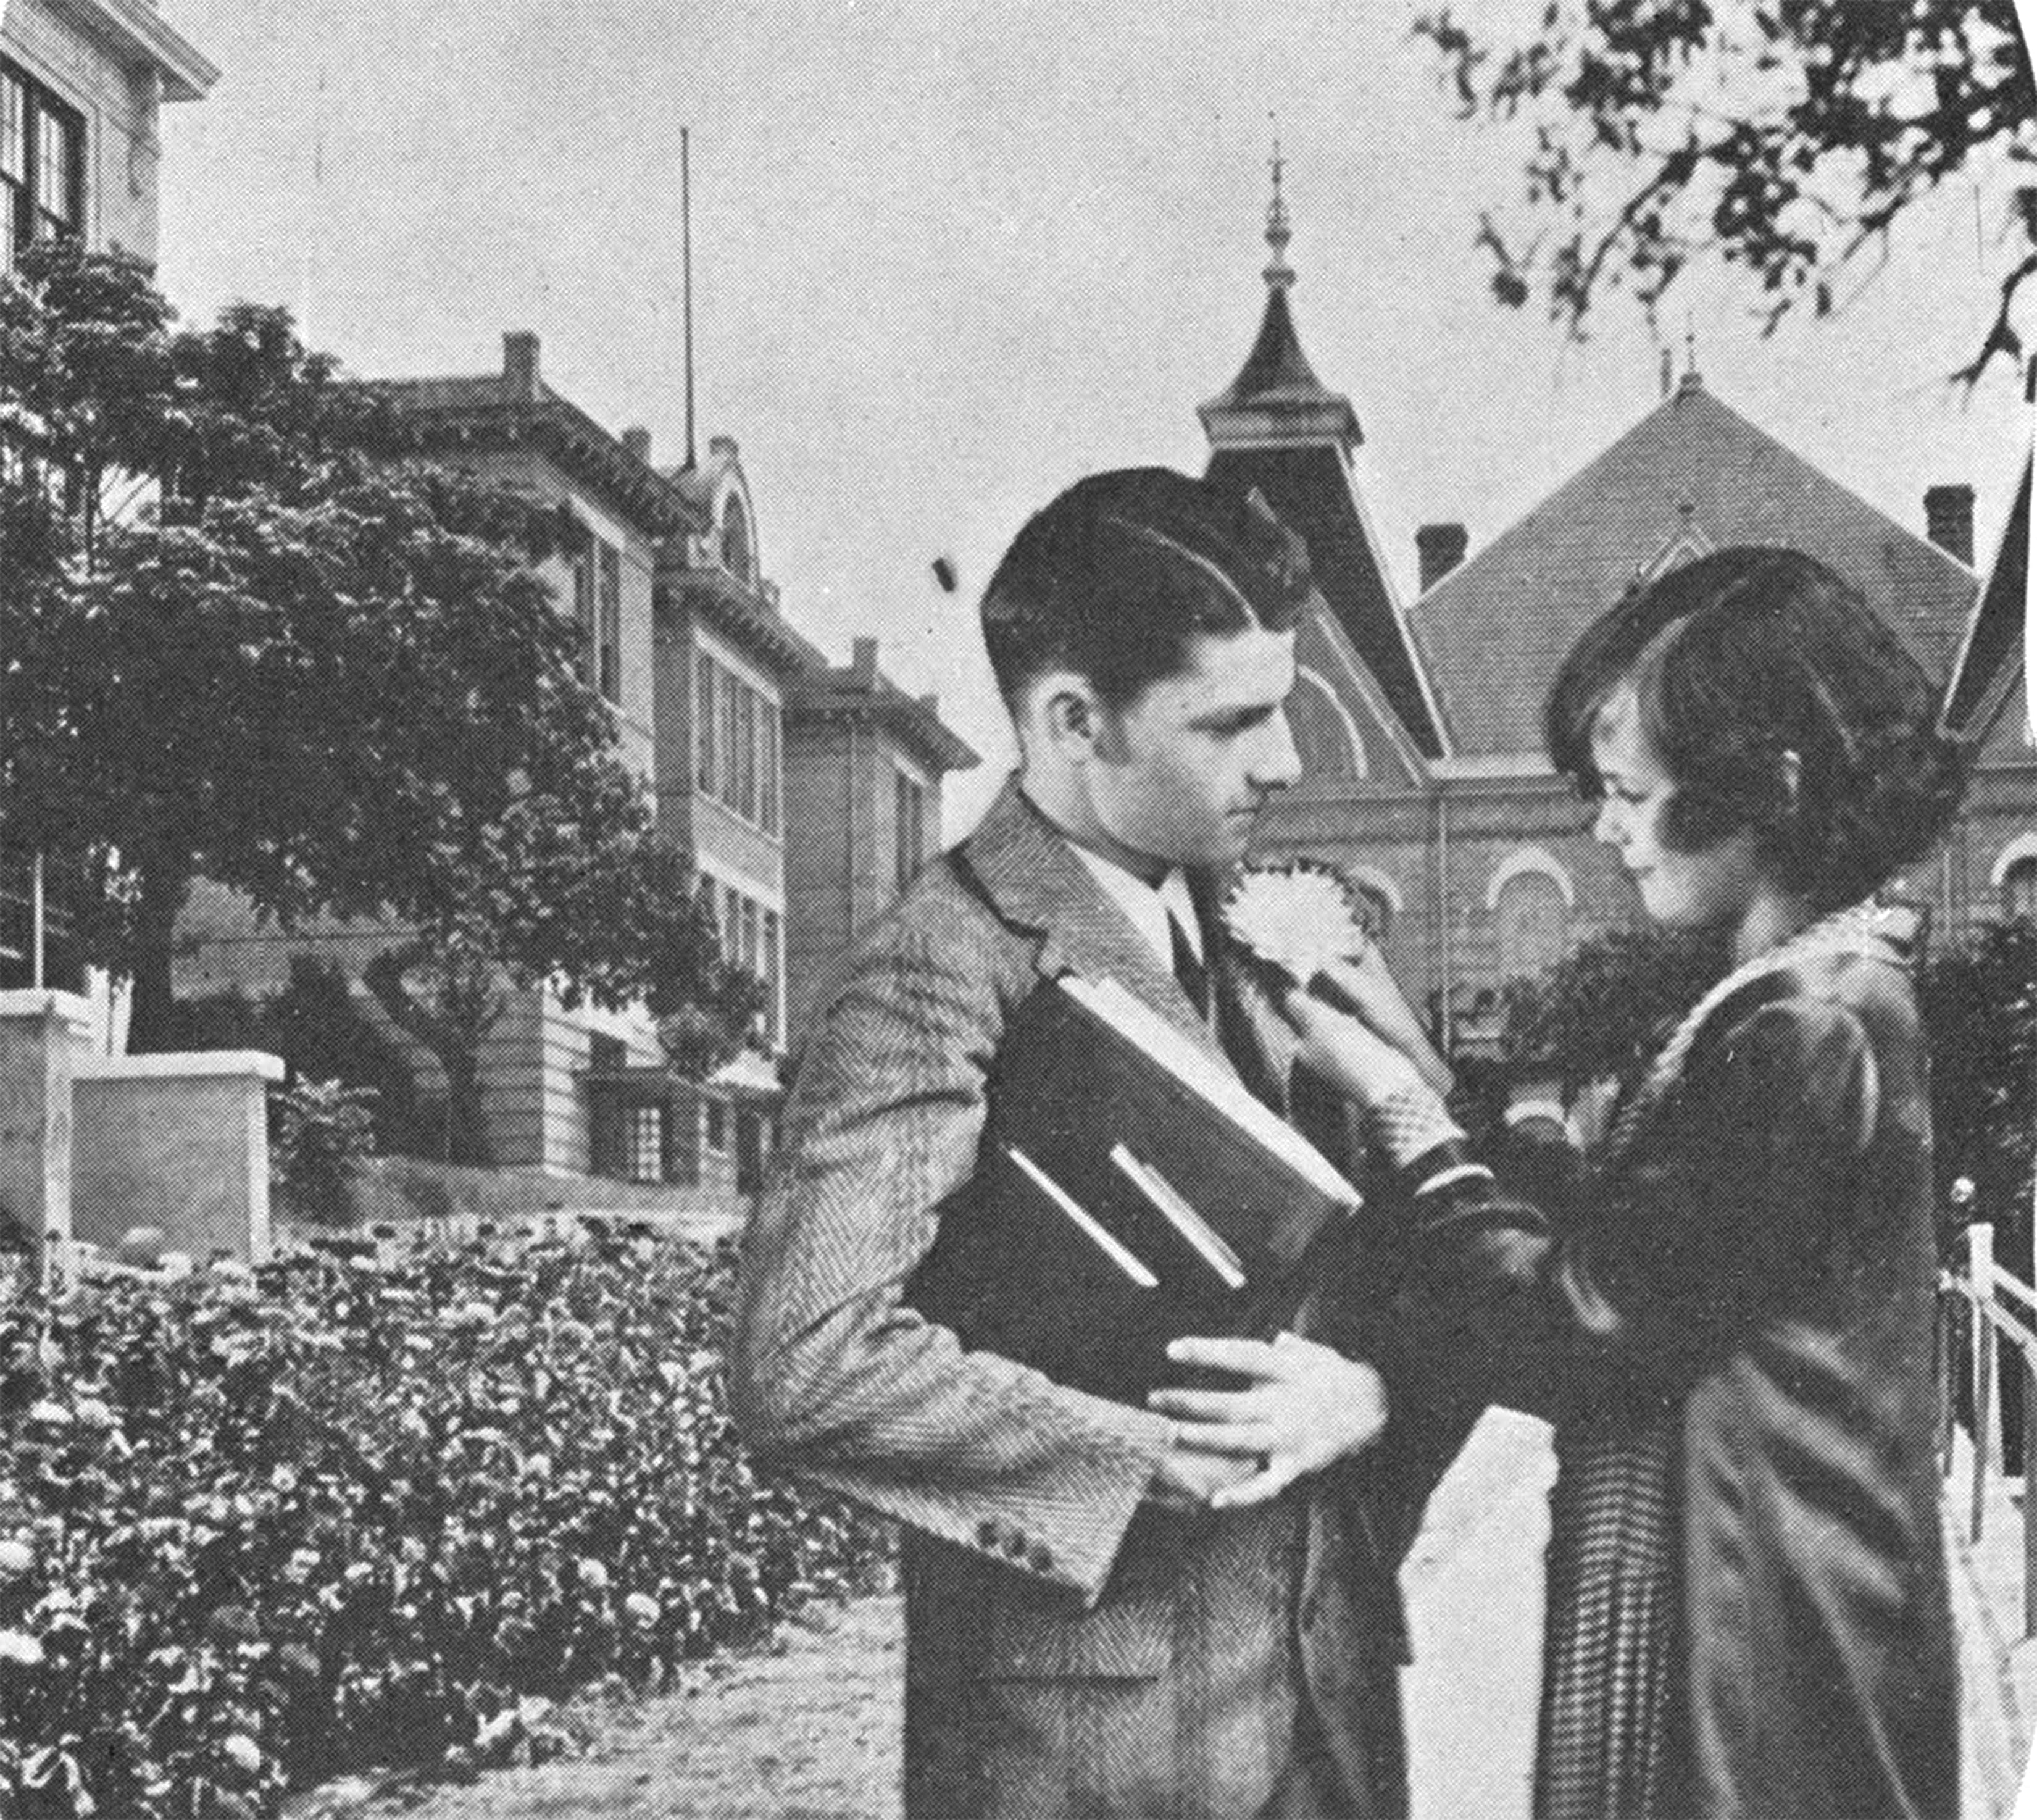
1130, 1191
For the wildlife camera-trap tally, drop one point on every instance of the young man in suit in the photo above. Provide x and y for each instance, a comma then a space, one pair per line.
1102, 1617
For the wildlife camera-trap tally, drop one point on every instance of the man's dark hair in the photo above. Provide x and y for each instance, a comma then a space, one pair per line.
1741, 659
1116, 577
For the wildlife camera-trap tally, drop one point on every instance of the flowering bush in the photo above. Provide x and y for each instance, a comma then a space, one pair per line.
259, 1529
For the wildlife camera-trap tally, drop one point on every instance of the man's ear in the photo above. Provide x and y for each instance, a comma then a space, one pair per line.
1065, 714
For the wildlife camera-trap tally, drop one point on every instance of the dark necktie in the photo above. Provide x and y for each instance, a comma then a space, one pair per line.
1189, 968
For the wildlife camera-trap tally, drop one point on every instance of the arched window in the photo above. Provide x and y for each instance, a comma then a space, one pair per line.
738, 556
1376, 912
1533, 924
1323, 737
2019, 888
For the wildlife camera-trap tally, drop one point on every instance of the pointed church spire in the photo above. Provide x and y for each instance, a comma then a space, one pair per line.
1276, 397
1279, 274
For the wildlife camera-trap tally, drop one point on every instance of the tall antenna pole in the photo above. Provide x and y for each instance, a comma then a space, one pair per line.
687, 268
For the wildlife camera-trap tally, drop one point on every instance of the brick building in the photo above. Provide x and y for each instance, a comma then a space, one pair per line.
1418, 723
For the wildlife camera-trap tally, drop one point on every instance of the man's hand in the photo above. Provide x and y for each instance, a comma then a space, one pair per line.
1189, 1479
1306, 1406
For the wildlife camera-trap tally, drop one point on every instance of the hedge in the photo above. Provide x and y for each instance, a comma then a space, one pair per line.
261, 1529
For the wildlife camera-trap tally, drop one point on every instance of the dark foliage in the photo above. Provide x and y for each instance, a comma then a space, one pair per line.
244, 648
255, 1533
1785, 137
1608, 1008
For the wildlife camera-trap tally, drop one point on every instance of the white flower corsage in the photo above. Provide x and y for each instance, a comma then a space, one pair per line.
1298, 915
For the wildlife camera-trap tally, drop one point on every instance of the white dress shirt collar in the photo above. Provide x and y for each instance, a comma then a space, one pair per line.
1148, 906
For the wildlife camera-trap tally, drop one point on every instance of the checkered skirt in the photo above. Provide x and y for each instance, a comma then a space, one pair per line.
1609, 1649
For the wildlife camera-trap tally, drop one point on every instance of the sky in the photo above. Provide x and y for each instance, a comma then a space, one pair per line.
944, 262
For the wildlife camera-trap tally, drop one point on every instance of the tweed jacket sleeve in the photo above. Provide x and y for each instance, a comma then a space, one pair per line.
1719, 1217
832, 1374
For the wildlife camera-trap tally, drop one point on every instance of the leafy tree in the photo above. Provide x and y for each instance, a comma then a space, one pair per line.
1980, 1006
242, 646
1787, 136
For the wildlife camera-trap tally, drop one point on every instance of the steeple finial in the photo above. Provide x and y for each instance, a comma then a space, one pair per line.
1279, 273
1690, 382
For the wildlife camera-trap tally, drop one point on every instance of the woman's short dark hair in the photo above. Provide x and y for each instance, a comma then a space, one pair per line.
1738, 661
1113, 579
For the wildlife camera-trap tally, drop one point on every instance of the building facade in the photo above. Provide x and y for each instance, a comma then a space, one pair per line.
82, 86
864, 766
724, 657
617, 512
1418, 722
732, 720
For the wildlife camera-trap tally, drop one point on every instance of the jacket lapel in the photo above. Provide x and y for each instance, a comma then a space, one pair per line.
1036, 884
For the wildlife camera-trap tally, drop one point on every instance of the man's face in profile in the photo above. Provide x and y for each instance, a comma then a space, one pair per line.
1180, 775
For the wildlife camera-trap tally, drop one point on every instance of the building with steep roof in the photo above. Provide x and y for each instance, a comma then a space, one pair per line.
1692, 476
1277, 428
1419, 728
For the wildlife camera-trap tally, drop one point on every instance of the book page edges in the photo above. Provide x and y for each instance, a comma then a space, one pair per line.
1142, 1026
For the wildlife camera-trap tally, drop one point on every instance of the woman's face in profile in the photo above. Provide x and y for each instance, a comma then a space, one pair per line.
1713, 887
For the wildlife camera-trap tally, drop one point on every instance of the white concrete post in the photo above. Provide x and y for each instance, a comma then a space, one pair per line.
1980, 1277
41, 1033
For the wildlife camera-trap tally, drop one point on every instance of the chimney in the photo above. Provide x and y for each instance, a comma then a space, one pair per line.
1440, 548
863, 663
519, 363
1948, 520
637, 439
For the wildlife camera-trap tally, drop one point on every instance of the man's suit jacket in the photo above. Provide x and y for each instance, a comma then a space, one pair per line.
1071, 1648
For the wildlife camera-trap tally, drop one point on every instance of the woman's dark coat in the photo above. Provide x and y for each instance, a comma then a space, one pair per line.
1763, 1250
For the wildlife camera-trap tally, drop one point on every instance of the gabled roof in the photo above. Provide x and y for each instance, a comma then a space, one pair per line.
1991, 660
1692, 474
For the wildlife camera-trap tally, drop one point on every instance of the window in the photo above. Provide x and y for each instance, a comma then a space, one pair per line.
2019, 890
725, 733
1533, 924
910, 834
607, 1054
584, 613
1323, 740
767, 780
1375, 910
717, 1126
745, 805
609, 631
773, 966
645, 1152
751, 936
736, 556
42, 163
704, 722
737, 745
